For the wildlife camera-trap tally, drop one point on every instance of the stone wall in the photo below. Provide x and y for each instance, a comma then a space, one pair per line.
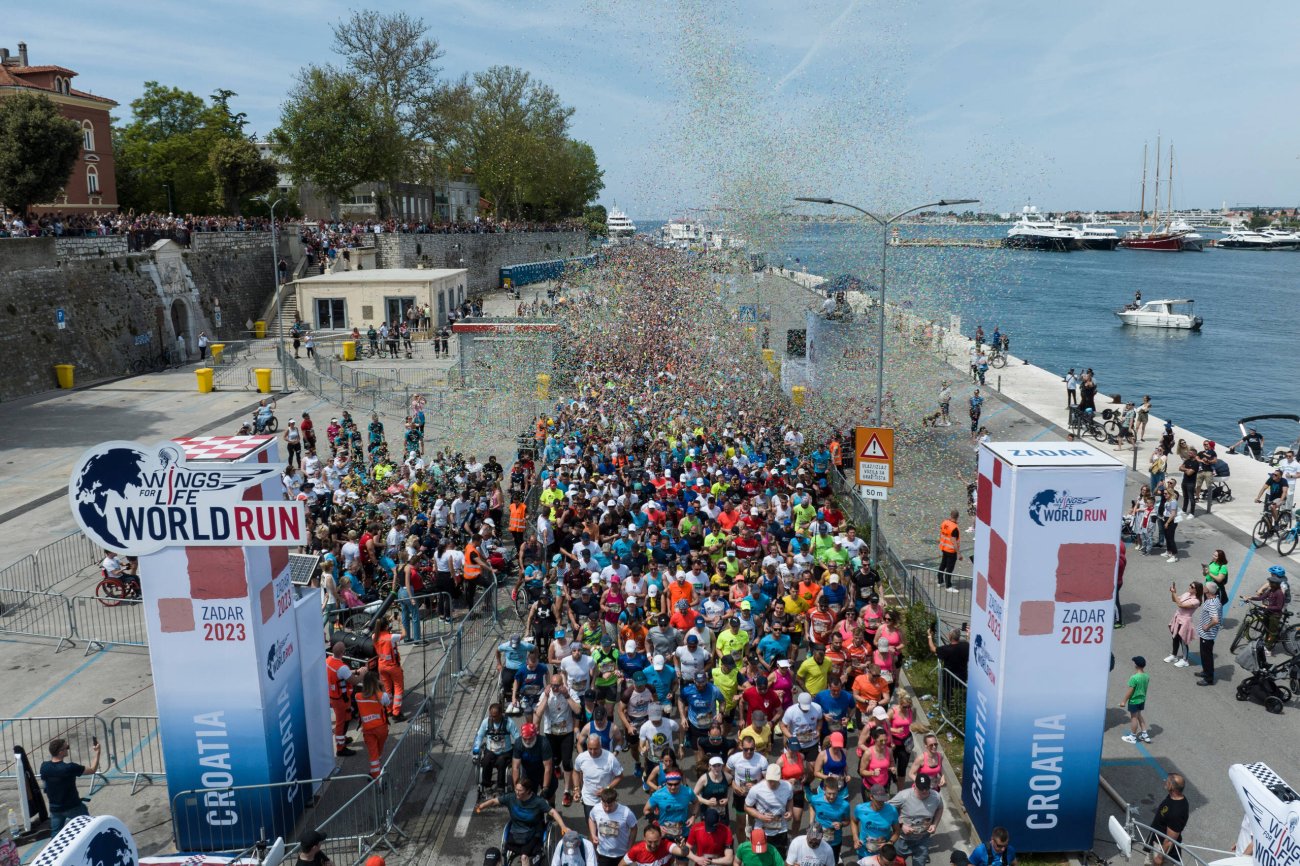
483, 255
90, 248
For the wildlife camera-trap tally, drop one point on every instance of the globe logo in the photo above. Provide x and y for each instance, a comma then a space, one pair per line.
109, 847
1049, 506
115, 470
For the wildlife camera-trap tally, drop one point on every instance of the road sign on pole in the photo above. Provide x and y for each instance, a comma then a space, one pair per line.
60, 318
873, 458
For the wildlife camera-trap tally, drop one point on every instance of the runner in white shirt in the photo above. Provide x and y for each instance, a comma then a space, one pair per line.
577, 668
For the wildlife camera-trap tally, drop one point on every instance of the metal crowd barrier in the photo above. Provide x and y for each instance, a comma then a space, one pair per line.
22, 575
73, 555
137, 749
923, 585
34, 734
36, 614
102, 626
950, 702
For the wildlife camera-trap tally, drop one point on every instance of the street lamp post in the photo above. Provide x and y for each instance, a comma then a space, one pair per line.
275, 277
884, 224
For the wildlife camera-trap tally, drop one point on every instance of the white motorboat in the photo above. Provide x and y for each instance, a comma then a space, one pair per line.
618, 225
1033, 231
1282, 240
1192, 240
1244, 239
1165, 313
1094, 237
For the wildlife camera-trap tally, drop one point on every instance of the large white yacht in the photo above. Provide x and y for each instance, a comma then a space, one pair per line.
1192, 241
618, 225
1033, 231
1281, 240
1244, 239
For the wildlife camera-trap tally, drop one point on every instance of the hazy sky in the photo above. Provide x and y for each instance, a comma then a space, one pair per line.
740, 103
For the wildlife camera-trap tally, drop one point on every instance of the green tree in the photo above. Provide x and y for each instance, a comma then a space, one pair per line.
38, 147
168, 144
329, 132
595, 217
240, 172
1258, 220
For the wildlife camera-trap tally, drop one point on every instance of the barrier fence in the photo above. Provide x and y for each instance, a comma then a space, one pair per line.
130, 746
36, 614
71, 556
102, 626
950, 702
137, 749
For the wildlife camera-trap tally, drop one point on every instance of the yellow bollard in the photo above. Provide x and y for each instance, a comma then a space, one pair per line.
769, 358
543, 386
796, 394
204, 376
263, 380
259, 330
349, 350
216, 349
63, 372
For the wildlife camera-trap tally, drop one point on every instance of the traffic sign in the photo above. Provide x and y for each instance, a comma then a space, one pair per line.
873, 457
60, 318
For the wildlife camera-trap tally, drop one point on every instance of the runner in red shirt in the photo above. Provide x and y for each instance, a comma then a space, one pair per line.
708, 838
651, 850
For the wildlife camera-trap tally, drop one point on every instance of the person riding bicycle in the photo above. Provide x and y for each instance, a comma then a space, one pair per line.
1272, 598
1276, 488
265, 412
526, 829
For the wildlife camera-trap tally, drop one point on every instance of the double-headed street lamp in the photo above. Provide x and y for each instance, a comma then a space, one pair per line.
880, 348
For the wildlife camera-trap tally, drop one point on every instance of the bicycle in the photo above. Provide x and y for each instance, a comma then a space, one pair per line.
997, 359
1254, 625
1270, 524
1286, 542
151, 363
112, 591
1084, 423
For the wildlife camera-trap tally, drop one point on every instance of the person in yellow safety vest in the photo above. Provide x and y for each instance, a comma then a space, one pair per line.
340, 690
518, 521
390, 665
371, 704
475, 564
949, 547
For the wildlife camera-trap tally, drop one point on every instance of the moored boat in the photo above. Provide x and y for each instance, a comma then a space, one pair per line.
1175, 313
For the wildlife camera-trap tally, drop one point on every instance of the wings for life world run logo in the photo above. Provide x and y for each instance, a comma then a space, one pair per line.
135, 500
1050, 506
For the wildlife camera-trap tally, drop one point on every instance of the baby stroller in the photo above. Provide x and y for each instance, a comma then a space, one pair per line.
1263, 686
1218, 491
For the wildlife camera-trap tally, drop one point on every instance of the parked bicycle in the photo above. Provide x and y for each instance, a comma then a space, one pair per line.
1272, 525
151, 363
1286, 541
1084, 423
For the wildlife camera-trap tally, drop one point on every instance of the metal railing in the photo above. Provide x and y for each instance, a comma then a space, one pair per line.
137, 749
923, 583
950, 702
36, 614
102, 626
22, 575
71, 556
34, 734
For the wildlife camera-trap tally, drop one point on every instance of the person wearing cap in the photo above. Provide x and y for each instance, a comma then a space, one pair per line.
1272, 597
658, 735
531, 758
556, 709
755, 851
919, 812
526, 828
733, 639
710, 841
663, 637
574, 850
997, 851
810, 849
633, 658
673, 806
874, 822
760, 697
801, 724
309, 850
613, 829
1135, 701
605, 659
662, 678
634, 712
530, 681
769, 804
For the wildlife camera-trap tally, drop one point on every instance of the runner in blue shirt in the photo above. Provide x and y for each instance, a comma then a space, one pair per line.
773, 646
675, 804
830, 808
837, 706
661, 678
702, 701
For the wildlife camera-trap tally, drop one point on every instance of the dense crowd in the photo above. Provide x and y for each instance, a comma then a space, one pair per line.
699, 602
105, 225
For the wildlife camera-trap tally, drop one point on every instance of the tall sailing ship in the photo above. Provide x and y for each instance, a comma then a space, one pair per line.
1159, 238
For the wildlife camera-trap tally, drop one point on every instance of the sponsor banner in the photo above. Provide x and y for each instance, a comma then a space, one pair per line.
315, 685
136, 499
1046, 552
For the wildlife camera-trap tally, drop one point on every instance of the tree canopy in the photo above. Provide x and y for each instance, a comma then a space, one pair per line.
38, 148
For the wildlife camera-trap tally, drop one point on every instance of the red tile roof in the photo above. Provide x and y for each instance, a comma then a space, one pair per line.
8, 79
25, 70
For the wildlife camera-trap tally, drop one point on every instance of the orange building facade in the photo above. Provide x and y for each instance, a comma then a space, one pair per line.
92, 186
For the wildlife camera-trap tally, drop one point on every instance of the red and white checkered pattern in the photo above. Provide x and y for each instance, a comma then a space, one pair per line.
221, 447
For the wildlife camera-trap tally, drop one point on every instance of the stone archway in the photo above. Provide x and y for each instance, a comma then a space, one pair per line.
182, 322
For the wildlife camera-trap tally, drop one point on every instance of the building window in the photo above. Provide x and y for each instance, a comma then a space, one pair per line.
87, 136
92, 180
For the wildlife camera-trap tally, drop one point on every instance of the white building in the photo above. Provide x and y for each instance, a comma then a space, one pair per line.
358, 299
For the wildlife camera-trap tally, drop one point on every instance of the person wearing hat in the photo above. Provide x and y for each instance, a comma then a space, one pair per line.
810, 849
700, 706
662, 678
756, 852
874, 822
309, 850
770, 805
733, 639
710, 841
528, 812
605, 659
1135, 701
658, 735
574, 850
760, 697
634, 712
663, 637
919, 812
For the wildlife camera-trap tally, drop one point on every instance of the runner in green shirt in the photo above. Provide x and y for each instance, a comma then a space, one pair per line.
756, 852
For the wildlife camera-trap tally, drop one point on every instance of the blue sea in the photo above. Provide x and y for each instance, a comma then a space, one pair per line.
1058, 309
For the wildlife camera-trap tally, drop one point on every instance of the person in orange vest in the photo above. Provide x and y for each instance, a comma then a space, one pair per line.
949, 547
390, 665
372, 703
837, 453
340, 691
518, 520
475, 564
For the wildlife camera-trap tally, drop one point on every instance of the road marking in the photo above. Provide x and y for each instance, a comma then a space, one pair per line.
1123, 762
1041, 434
1150, 759
1241, 572
54, 688
466, 812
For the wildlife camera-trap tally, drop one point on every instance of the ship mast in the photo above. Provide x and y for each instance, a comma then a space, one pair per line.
1155, 199
1169, 206
1142, 208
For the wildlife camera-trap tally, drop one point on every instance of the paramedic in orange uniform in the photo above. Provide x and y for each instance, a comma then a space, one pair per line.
390, 665
339, 676
371, 704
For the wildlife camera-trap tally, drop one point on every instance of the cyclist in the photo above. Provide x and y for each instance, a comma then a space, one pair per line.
530, 681
1276, 488
526, 829
1272, 599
